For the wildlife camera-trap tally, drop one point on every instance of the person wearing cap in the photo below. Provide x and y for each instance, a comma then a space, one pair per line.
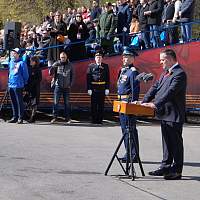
18, 78
128, 89
98, 81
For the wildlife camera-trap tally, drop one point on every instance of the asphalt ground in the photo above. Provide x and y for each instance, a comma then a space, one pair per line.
68, 161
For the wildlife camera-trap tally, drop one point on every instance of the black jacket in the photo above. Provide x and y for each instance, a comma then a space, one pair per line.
124, 17
141, 17
78, 27
63, 74
168, 12
156, 8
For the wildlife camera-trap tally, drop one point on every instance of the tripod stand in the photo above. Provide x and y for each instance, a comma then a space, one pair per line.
129, 165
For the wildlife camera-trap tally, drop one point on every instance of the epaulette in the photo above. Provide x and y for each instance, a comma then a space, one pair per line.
91, 64
133, 69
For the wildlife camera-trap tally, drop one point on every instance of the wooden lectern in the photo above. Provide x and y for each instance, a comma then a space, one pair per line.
130, 109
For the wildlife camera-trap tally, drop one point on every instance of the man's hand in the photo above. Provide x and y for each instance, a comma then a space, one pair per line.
107, 92
147, 12
108, 37
125, 29
90, 92
136, 102
151, 105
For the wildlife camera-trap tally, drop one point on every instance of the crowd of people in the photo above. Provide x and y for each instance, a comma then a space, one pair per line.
140, 24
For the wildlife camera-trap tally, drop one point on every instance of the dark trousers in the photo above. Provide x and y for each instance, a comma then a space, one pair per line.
57, 94
172, 142
128, 124
16, 95
97, 106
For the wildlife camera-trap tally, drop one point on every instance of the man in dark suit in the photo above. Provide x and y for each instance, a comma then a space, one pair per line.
169, 94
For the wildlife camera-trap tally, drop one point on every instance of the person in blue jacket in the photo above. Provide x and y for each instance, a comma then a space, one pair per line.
128, 89
18, 77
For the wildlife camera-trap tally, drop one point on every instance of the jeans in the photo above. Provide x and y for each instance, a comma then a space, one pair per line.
16, 95
186, 31
146, 37
57, 94
154, 35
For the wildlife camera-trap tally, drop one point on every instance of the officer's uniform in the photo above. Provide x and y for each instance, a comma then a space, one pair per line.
128, 90
98, 81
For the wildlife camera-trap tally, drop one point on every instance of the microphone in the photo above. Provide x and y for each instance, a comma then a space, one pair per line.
144, 77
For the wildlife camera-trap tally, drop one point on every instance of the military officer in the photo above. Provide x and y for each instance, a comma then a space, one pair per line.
98, 80
128, 90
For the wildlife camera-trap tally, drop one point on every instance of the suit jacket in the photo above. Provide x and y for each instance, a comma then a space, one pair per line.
169, 94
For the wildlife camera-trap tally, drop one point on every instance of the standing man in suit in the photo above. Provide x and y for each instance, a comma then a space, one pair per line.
169, 94
98, 81
128, 89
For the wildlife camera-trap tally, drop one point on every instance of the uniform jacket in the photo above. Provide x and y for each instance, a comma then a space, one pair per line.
18, 74
63, 74
127, 83
107, 25
169, 94
97, 74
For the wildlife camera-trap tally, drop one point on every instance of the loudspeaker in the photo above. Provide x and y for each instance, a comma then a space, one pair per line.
12, 32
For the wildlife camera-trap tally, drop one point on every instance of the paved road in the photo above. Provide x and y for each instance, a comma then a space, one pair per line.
67, 162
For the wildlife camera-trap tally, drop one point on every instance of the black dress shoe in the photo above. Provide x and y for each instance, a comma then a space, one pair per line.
159, 172
173, 176
13, 120
20, 121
